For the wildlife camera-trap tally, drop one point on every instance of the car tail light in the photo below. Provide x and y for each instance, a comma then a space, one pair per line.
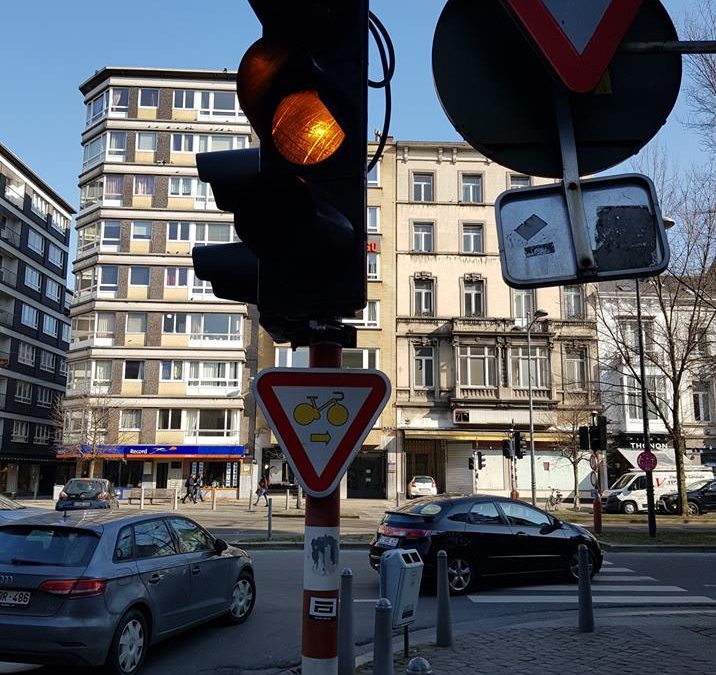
104, 496
74, 588
63, 495
413, 484
406, 532
434, 484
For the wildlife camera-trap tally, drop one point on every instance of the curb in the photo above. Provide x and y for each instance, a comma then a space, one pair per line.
293, 545
658, 548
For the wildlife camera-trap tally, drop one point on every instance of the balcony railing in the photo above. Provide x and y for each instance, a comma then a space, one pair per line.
8, 278
10, 235
5, 318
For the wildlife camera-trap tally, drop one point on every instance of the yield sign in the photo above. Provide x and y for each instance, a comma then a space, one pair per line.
577, 37
321, 418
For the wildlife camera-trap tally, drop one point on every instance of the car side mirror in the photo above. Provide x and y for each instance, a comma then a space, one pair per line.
220, 546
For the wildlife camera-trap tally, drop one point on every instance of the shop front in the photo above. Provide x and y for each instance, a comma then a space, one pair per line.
29, 477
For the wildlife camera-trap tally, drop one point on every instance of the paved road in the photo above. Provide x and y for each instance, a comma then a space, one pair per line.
269, 643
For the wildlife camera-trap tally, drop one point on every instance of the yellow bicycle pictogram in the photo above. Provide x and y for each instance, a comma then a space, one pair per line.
337, 414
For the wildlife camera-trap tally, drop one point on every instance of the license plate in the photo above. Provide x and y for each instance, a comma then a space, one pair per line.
14, 598
387, 541
82, 504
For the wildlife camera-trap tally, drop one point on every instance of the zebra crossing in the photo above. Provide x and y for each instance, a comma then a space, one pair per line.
613, 585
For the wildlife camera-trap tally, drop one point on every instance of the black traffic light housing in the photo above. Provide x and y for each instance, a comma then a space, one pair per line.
471, 463
299, 201
480, 461
508, 448
520, 444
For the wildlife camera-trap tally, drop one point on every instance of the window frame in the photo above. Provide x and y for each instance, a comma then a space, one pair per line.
425, 186
423, 361
479, 231
424, 293
422, 233
479, 187
142, 90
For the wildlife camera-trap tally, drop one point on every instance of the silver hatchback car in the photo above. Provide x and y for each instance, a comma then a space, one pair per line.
99, 587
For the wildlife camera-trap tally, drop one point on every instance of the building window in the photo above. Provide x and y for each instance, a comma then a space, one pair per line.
218, 105
423, 187
144, 186
423, 240
702, 407
423, 298
53, 290
63, 367
218, 142
33, 278
359, 358
474, 298
102, 373
573, 302
522, 306
139, 276
182, 143
142, 230
368, 317
44, 397
176, 276
473, 238
174, 323
23, 392
49, 325
56, 256
66, 333
130, 420
36, 241
209, 422
373, 263
472, 189
214, 374
539, 367
171, 371
206, 234
146, 141
575, 369
478, 366
373, 220
20, 431
216, 327
42, 434
181, 187
184, 99
136, 322
148, 98
134, 370
29, 316
117, 147
629, 330
26, 354
169, 419
519, 181
374, 176
108, 278
47, 361
286, 357
424, 367
656, 390
178, 232
114, 189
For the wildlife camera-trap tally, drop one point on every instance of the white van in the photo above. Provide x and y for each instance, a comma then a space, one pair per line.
628, 493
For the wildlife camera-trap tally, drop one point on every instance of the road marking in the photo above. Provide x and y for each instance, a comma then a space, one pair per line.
597, 599
365, 600
616, 570
615, 588
710, 585
624, 577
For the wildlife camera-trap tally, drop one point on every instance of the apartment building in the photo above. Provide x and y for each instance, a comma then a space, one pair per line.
151, 345
376, 473
461, 345
34, 326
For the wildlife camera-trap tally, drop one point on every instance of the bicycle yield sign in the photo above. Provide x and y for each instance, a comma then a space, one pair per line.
320, 417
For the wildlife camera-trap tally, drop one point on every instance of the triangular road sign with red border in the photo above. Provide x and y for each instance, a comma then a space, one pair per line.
321, 417
577, 37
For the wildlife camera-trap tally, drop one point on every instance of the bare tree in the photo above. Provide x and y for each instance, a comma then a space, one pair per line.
678, 315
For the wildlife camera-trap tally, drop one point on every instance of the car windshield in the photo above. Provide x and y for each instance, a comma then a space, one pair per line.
623, 481
78, 486
697, 485
422, 508
29, 544
423, 479
9, 504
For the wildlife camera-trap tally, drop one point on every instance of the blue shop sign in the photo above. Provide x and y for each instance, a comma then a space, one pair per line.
188, 451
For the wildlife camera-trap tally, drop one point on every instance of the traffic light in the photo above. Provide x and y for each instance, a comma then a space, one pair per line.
584, 440
480, 461
599, 439
299, 202
471, 463
508, 449
520, 444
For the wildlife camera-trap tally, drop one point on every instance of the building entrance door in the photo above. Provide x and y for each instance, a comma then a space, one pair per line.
366, 476
162, 474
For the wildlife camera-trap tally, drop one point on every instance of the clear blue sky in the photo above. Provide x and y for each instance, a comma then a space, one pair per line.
50, 47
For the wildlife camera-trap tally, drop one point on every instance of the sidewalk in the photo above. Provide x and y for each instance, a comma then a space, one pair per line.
676, 644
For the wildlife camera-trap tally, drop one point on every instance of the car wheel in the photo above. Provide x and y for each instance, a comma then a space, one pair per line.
129, 645
692, 509
573, 565
461, 575
243, 597
629, 508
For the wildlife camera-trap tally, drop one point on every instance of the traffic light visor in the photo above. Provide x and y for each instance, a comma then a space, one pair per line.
304, 131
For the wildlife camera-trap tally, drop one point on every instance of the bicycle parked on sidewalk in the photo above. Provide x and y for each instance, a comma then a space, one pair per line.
553, 501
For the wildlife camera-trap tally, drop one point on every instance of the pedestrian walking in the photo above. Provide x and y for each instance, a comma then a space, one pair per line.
262, 491
190, 486
197, 488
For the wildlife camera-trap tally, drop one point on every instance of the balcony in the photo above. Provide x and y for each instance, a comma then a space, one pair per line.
537, 394
10, 235
8, 278
476, 393
6, 318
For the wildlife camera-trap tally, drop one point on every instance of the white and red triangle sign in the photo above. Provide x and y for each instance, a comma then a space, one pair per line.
321, 417
578, 38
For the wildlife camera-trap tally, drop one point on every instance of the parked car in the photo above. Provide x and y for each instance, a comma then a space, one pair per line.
484, 536
701, 496
12, 510
87, 493
422, 486
99, 587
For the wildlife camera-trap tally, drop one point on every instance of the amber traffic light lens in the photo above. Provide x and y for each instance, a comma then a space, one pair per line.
304, 131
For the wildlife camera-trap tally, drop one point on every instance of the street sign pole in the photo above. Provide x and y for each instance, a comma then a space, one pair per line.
321, 582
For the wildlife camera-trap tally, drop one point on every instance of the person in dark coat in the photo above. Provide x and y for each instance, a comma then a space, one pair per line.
262, 491
190, 486
198, 484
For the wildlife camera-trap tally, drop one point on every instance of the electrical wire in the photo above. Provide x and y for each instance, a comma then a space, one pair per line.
386, 53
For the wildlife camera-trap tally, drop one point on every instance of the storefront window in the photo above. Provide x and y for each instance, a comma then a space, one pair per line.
217, 474
123, 474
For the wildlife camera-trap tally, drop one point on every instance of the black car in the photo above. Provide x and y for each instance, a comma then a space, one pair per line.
701, 496
87, 493
484, 536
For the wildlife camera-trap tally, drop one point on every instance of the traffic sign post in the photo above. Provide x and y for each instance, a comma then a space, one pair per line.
321, 416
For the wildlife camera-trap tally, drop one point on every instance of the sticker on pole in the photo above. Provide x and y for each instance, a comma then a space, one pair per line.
578, 39
321, 418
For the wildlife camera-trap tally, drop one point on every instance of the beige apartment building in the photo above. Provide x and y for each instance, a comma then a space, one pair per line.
151, 346
461, 371
376, 473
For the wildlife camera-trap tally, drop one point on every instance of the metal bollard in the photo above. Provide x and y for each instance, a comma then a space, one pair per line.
270, 518
443, 632
346, 633
141, 499
299, 503
419, 666
176, 499
288, 494
586, 612
213, 499
383, 638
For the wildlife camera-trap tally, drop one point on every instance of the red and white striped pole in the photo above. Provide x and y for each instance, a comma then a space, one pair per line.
321, 569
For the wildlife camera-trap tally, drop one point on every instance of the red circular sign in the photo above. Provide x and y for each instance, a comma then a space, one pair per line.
646, 461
